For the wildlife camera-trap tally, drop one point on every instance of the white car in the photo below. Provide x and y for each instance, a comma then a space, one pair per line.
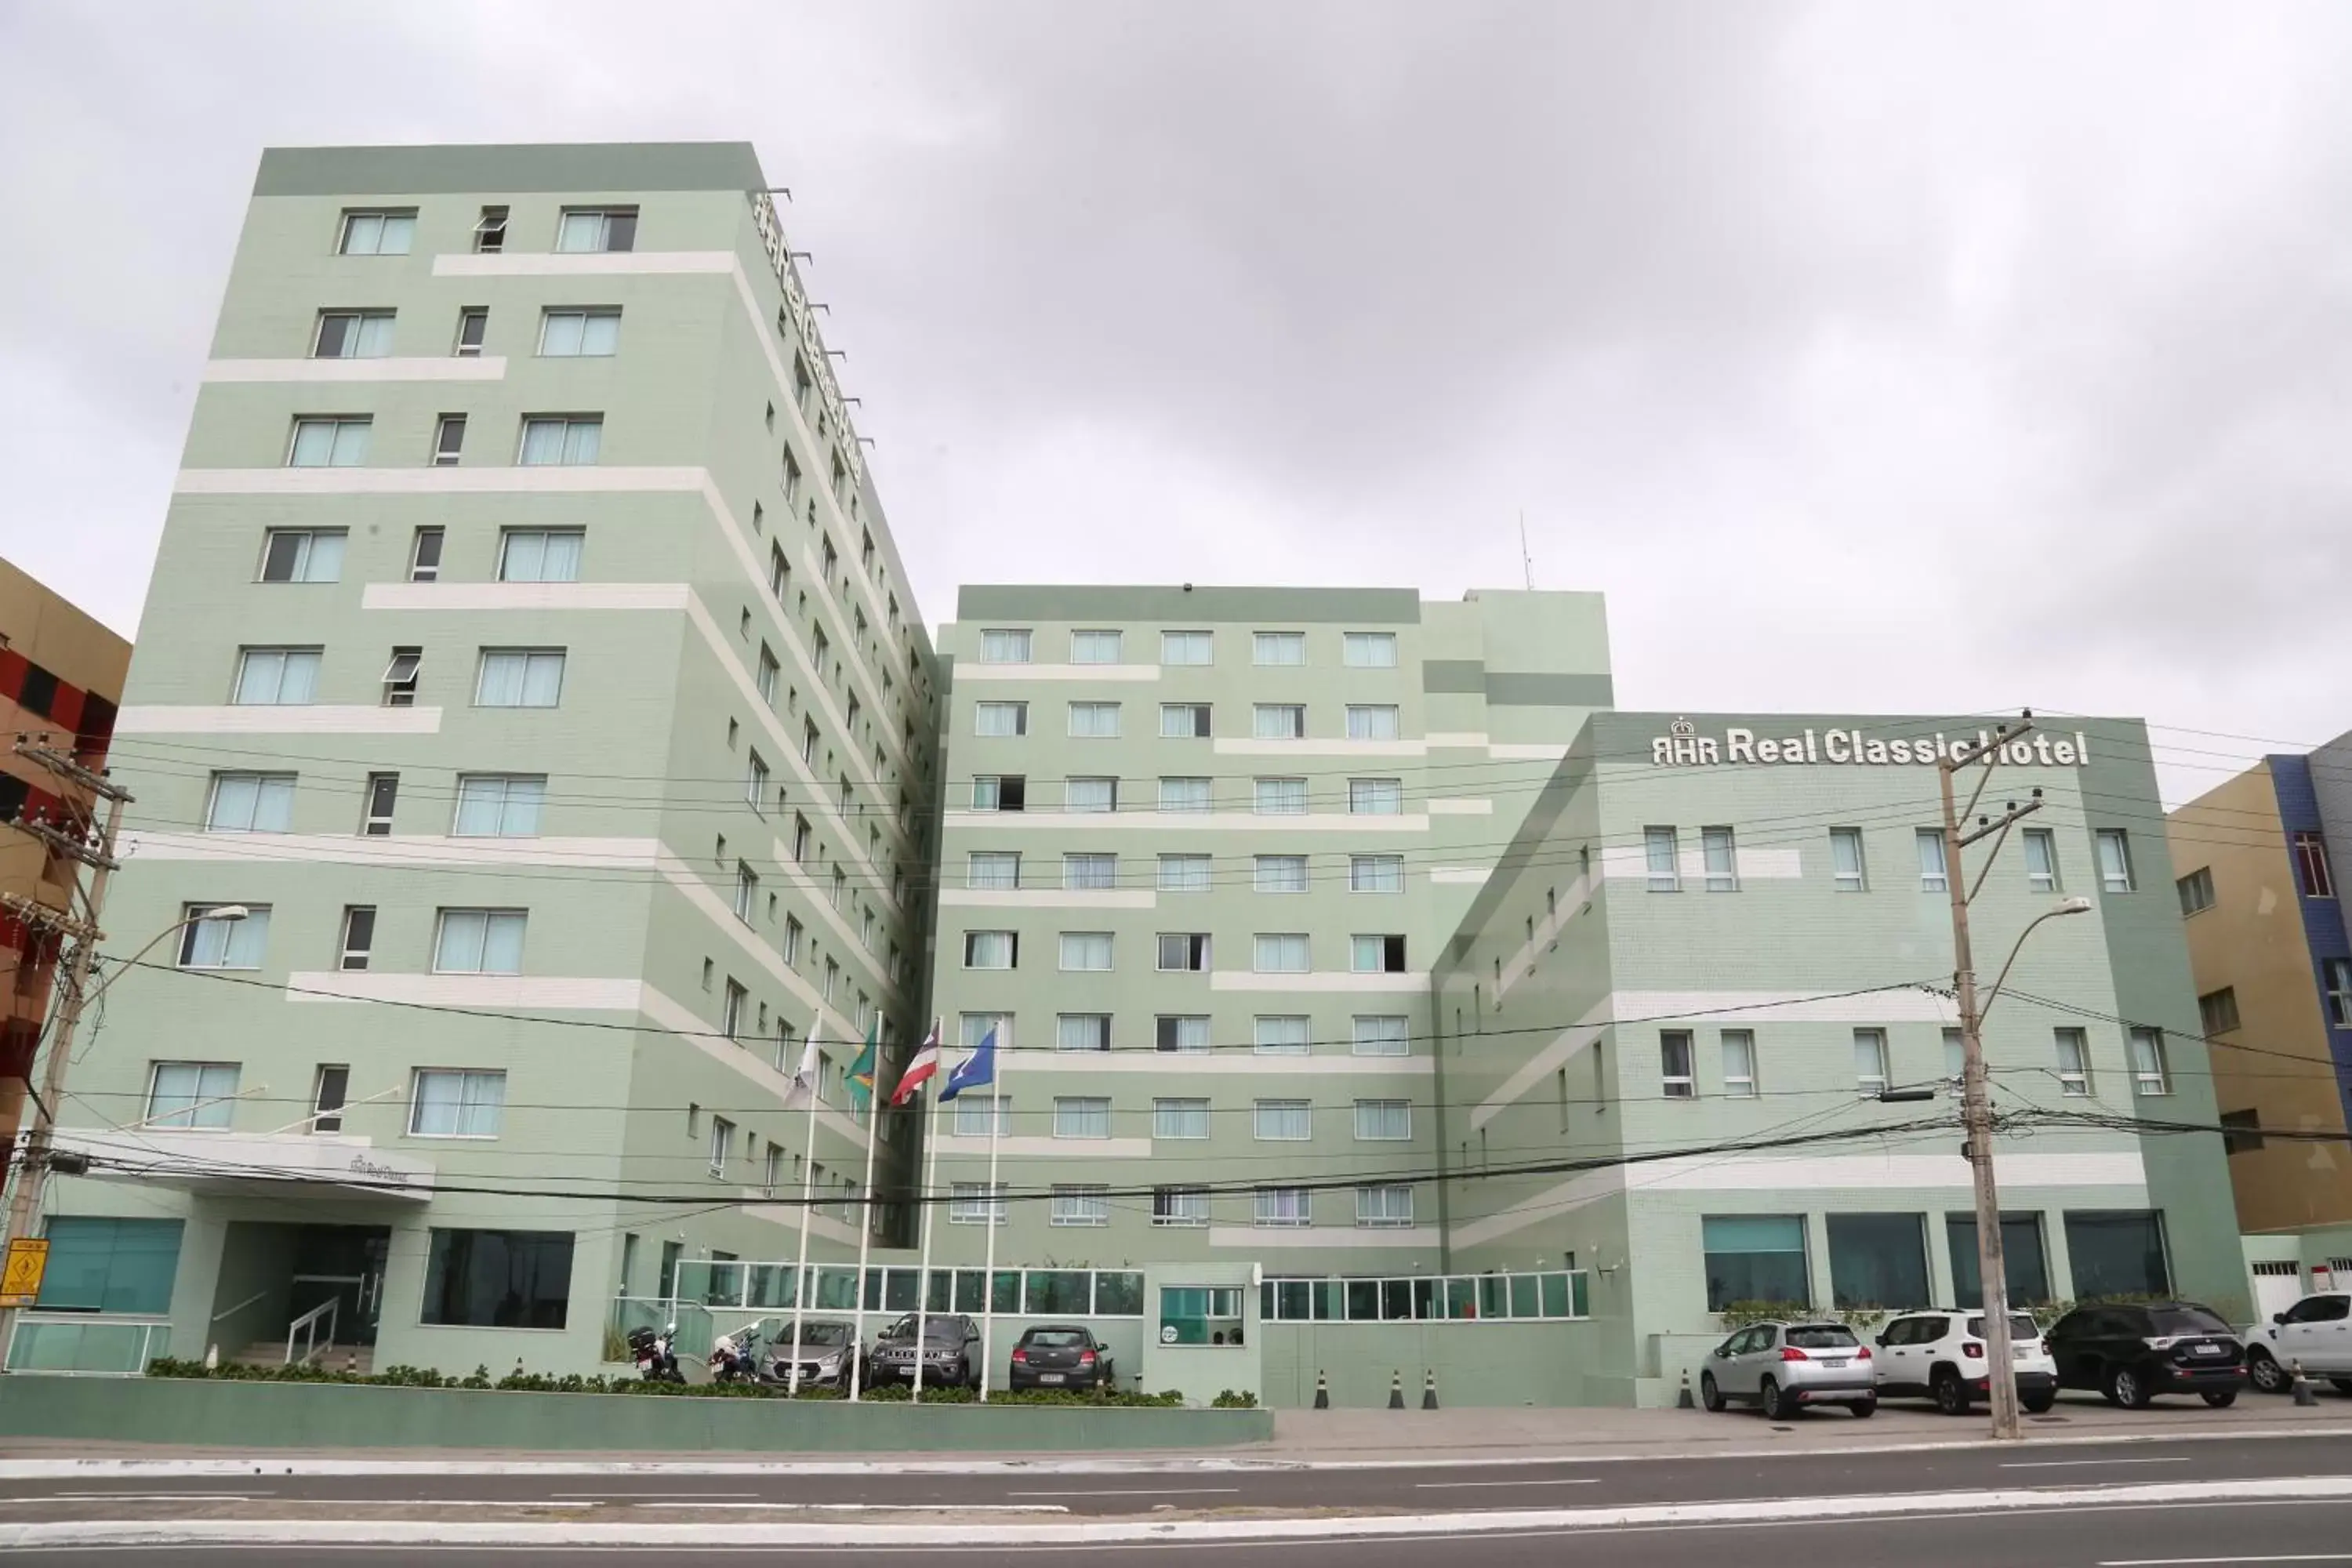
2315, 1333
1942, 1355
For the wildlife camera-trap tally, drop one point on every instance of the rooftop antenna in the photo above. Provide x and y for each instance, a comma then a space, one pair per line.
1527, 562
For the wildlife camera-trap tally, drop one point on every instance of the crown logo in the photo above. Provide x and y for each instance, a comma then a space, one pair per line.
1682, 727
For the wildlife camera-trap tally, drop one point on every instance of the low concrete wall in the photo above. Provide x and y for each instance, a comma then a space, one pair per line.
222, 1415
1489, 1366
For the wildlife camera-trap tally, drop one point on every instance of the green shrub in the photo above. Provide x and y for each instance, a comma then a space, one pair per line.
1229, 1399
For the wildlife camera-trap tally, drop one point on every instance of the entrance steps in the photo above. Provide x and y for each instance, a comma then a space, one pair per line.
360, 1359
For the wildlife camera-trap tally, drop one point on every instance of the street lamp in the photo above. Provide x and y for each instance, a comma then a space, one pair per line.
2077, 905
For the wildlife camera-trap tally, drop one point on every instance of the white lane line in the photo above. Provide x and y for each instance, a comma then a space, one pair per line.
1140, 1491
132, 1497
2077, 1463
1464, 1486
673, 1496
2188, 1561
863, 1507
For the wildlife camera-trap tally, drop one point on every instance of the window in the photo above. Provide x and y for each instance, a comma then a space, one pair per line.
1675, 1071
1279, 797
999, 719
1383, 1120
490, 233
1082, 1031
1179, 1119
1081, 1116
1184, 794
2336, 980
1282, 1206
1183, 721
780, 574
1376, 798
1186, 647
747, 892
302, 555
250, 803
1722, 862
1754, 1257
579, 334
448, 446
1094, 647
352, 335
2021, 1244
1180, 1205
722, 1141
499, 806
1080, 1204
1382, 1035
998, 869
585, 228
473, 327
1370, 650
1878, 1259
1004, 648
2041, 860
561, 440
2196, 892
755, 781
2117, 1253
1091, 794
1367, 722
1093, 721
1930, 844
1280, 874
1185, 873
222, 943
498, 1278
328, 1090
1869, 1062
1278, 955
2074, 1063
808, 741
765, 680
1279, 722
2311, 866
383, 791
359, 936
1955, 1056
540, 555
803, 841
1387, 1207
1845, 859
1376, 873
520, 677
2149, 1075
1376, 954
1658, 846
2242, 1132
970, 1202
1086, 949
1279, 648
2115, 861
478, 941
329, 443
976, 1112
1740, 1066
990, 950
1283, 1036
200, 1095
375, 234
424, 555
2219, 1010
1089, 873
1281, 1121
454, 1104
400, 677
1184, 951
790, 948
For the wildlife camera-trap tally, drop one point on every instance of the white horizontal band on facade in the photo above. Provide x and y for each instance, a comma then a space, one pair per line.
1278, 1238
439, 367
1466, 876
524, 596
1047, 1148
499, 992
1191, 821
1460, 806
1513, 752
1014, 672
1319, 748
688, 1025
1454, 741
1630, 863
789, 1216
1219, 1064
534, 478
1563, 1048
274, 719
1337, 980
422, 849
581, 264
1049, 897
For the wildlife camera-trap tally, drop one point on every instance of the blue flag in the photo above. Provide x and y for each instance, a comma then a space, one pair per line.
975, 1069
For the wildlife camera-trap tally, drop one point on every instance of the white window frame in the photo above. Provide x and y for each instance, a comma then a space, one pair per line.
1271, 1120
1088, 870
1719, 860
1282, 1034
1376, 874
1857, 879
1369, 650
210, 1102
970, 1203
2075, 1077
1873, 1071
1278, 720
1093, 722
1196, 873
535, 661
1934, 866
1080, 1203
1086, 946
576, 320
1375, 722
1005, 645
2045, 880
1376, 798
572, 543
1386, 1206
1187, 802
1185, 643
579, 433
1185, 721
493, 919
1278, 874
996, 870
1282, 1208
1086, 646
1014, 714
311, 563
1678, 1064
1275, 797
1082, 1118
469, 1080
2151, 1068
1276, 651
1190, 939
1098, 797
1175, 1118
1082, 1034
275, 791
1662, 847
1738, 1048
384, 219
1180, 1207
2116, 875
1260, 951
348, 438
974, 942
1384, 1114
602, 218
1380, 1041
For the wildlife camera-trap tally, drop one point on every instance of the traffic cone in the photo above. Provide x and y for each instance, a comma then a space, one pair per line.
1684, 1401
1429, 1388
1322, 1391
2304, 1394
1396, 1391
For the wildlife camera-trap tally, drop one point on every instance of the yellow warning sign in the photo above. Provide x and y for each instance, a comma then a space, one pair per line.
20, 1278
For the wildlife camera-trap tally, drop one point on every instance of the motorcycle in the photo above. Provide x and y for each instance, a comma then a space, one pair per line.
656, 1357
735, 1358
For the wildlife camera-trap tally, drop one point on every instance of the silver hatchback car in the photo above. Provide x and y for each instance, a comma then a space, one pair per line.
1783, 1367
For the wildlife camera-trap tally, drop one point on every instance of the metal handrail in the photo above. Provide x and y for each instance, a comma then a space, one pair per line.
240, 1307
312, 1344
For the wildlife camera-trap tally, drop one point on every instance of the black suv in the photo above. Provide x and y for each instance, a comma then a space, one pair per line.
2133, 1351
950, 1351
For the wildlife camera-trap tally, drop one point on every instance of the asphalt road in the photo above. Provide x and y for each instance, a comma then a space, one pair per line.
2196, 1535
1450, 1488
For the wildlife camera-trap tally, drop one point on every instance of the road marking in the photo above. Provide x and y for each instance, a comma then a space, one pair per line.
1141, 1491
2076, 1463
867, 1507
134, 1497
657, 1496
1463, 1485
2186, 1562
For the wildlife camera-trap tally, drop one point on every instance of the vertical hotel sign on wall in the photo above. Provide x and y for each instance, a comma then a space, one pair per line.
1683, 747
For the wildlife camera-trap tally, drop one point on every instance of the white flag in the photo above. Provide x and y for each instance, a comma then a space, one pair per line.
803, 1088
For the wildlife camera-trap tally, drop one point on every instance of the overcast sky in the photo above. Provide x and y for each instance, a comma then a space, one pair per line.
1872, 356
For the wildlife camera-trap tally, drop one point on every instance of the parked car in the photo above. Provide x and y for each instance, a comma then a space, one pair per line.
950, 1351
2133, 1351
1783, 1367
1942, 1354
823, 1355
1060, 1355
2314, 1333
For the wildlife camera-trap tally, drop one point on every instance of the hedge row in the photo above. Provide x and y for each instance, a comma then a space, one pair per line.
522, 1382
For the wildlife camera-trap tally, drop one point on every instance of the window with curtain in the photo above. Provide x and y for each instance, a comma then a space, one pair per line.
1279, 722
329, 443
1740, 1066
1184, 951
98, 1265
1664, 859
992, 868
1878, 1259
597, 229
1845, 859
250, 803
1282, 1206
1095, 647
2041, 860
580, 334
1385, 1208
1091, 794
1278, 953
1376, 798
1179, 1207
1184, 794
1376, 873
1086, 949
1280, 1035
1280, 874
988, 949
1182, 1033
1676, 1067
1179, 1118
2196, 892
1929, 842
352, 335
1282, 648
1185, 873
498, 805
1089, 872
1282, 1120
276, 677
2118, 1253
1382, 1035
2115, 861
2150, 1073
1081, 1116
1079, 1203
303, 555
376, 234
498, 1278
457, 1103
198, 1095
973, 1113
1186, 647
1184, 720
541, 555
1383, 1120
1279, 797
970, 1202
1004, 646
1367, 721
1721, 861
2336, 982
478, 941
2074, 1063
1370, 650
561, 440
1870, 1061
1093, 721
223, 944
1754, 1257
520, 677
2023, 1259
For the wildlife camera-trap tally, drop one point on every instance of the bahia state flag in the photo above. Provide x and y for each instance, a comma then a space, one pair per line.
920, 1070
975, 1069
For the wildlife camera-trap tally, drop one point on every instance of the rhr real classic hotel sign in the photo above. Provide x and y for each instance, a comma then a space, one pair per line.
1684, 746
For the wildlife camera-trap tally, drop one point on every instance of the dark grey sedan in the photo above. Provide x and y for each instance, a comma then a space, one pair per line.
1060, 1355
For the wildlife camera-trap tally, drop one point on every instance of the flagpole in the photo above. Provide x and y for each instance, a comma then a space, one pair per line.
808, 1212
865, 1231
988, 1269
923, 1275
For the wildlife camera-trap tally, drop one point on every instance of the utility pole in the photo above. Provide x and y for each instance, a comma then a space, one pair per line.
95, 850
1975, 1097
